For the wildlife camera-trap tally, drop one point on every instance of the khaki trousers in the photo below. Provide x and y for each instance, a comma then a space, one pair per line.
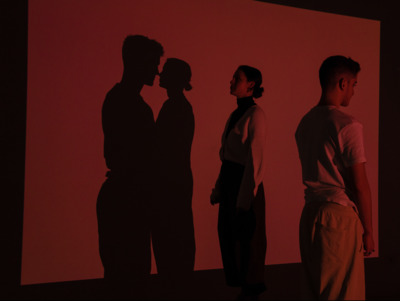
332, 252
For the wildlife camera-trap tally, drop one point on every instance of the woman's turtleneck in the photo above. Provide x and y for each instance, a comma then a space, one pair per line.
243, 104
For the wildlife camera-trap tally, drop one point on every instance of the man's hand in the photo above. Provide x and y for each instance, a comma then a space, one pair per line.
369, 245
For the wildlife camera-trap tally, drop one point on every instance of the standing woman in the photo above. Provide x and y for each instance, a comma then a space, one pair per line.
239, 189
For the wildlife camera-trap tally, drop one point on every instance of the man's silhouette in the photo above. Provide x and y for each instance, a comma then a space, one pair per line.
129, 145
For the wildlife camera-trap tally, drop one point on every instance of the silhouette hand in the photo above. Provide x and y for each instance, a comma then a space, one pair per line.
215, 197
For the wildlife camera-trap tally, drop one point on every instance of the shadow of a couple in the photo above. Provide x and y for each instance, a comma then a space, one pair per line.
147, 195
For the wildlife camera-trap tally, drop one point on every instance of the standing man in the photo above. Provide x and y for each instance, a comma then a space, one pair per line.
336, 222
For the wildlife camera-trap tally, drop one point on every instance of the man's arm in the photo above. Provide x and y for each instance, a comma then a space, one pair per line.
363, 201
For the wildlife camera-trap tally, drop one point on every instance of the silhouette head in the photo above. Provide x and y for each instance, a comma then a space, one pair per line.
176, 75
141, 57
247, 81
338, 74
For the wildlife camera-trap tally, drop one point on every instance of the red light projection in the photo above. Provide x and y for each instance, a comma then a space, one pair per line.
74, 59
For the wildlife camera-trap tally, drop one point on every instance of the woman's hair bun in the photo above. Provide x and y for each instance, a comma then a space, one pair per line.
254, 75
258, 91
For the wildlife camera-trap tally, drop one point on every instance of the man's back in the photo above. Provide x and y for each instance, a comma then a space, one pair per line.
328, 141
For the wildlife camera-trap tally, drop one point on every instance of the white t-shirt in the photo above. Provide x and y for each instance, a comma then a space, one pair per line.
329, 141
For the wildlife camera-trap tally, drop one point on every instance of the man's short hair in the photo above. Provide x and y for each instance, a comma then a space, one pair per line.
334, 66
138, 49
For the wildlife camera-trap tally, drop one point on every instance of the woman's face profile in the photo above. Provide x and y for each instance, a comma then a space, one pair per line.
173, 75
240, 86
164, 77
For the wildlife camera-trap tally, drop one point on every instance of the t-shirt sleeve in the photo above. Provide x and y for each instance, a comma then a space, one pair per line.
352, 144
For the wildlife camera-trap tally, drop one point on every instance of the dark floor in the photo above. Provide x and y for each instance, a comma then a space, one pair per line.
283, 283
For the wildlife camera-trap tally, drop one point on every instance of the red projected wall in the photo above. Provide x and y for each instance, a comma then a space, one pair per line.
74, 59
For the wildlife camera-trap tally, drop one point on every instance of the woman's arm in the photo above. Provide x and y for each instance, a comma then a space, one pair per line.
254, 167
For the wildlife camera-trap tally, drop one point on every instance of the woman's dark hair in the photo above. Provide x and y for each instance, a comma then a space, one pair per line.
179, 73
334, 66
253, 75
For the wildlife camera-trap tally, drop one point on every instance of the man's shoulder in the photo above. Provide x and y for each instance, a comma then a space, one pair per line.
114, 92
342, 119
326, 117
331, 114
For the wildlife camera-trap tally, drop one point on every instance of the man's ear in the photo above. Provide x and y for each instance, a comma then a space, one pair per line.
342, 83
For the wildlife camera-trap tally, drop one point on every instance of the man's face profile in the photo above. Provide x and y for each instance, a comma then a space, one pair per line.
349, 91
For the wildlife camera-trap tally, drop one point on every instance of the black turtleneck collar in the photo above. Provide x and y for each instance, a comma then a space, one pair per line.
243, 104
245, 101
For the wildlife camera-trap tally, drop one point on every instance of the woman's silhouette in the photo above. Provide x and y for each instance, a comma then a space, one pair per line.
172, 226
